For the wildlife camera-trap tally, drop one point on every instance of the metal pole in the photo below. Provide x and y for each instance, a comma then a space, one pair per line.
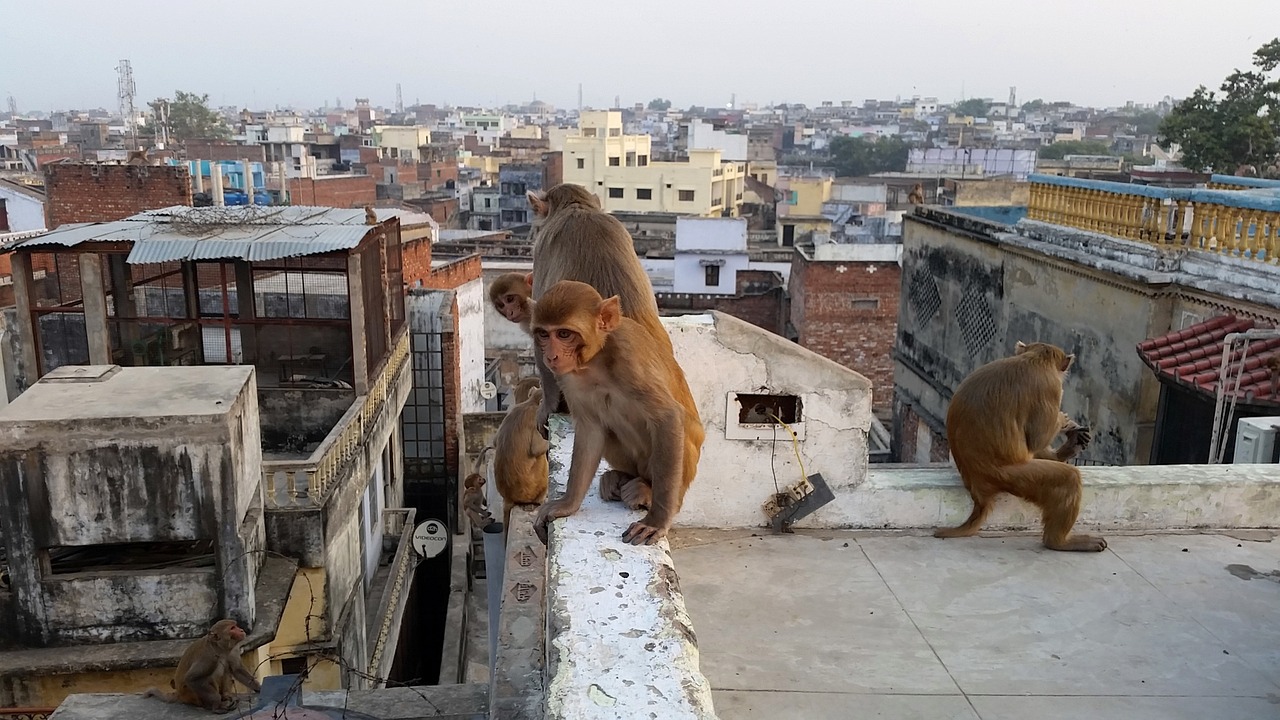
495, 541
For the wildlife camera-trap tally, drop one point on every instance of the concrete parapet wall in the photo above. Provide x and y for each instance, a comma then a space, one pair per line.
619, 640
1132, 498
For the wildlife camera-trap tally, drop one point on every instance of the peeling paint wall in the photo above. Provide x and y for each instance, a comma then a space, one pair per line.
472, 299
722, 356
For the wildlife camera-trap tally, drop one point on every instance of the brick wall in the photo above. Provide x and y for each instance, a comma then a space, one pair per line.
339, 191
452, 390
92, 192
552, 170
915, 439
436, 175
416, 256
452, 275
215, 150
848, 311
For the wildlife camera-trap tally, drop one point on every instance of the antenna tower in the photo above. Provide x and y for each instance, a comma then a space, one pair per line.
124, 93
399, 101
1013, 104
579, 98
13, 107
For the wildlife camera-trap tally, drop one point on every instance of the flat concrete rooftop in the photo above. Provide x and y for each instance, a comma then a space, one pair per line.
83, 393
837, 624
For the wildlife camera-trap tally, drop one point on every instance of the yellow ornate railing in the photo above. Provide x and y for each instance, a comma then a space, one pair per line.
1236, 182
1227, 222
26, 713
307, 483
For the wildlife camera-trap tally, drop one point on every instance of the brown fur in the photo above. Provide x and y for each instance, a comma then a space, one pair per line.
208, 669
520, 452
1000, 424
511, 295
631, 407
575, 240
473, 500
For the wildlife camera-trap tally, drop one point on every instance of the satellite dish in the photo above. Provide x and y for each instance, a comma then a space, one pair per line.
488, 390
430, 538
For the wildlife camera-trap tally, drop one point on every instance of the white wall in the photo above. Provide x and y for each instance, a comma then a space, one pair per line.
471, 301
698, 233
706, 137
721, 355
691, 275
25, 212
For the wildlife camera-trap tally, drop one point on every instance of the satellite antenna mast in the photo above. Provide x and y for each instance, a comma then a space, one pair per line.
399, 101
124, 93
13, 107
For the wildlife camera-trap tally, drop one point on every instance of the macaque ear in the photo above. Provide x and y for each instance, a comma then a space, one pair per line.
1066, 364
1019, 348
528, 280
537, 202
609, 314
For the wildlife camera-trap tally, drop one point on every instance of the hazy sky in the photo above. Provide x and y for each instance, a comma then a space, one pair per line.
56, 54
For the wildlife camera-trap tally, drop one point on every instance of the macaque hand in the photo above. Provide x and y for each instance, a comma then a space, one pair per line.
561, 508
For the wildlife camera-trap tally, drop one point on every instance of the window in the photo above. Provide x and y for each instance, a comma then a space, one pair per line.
582, 163
486, 203
506, 189
686, 196
631, 159
644, 194
713, 275
788, 235
615, 161
615, 192
864, 304
615, 132
588, 132
793, 197
642, 160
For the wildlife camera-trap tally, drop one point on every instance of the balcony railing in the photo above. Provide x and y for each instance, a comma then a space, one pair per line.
1227, 222
398, 524
299, 484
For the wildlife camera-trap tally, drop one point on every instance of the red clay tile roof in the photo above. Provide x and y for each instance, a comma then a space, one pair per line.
1193, 358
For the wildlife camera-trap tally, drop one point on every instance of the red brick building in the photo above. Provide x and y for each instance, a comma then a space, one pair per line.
94, 192
760, 300
847, 310
339, 191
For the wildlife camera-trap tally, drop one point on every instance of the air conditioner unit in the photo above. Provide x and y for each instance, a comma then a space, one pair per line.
1256, 440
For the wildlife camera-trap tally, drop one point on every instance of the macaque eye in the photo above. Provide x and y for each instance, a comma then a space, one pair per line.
540, 333
510, 299
564, 334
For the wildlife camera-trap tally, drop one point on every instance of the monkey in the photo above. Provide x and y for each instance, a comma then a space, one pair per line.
1000, 424
631, 406
473, 500
206, 670
138, 157
1273, 364
511, 295
916, 196
520, 452
576, 240
370, 217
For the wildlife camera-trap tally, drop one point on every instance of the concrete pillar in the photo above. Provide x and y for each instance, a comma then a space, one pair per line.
248, 178
197, 174
95, 309
28, 338
355, 301
215, 179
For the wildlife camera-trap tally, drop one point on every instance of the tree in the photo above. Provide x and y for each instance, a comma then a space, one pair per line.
659, 104
973, 107
1240, 126
859, 156
1147, 122
1059, 150
1033, 105
188, 117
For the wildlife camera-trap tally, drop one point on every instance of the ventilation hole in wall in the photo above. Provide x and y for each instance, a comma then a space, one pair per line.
923, 295
976, 324
761, 409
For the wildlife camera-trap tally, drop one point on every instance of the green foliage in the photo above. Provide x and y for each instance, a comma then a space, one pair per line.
973, 107
1237, 125
859, 156
1059, 150
189, 117
1033, 105
1147, 122
659, 104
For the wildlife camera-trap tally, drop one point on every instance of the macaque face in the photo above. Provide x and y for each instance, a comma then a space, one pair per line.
559, 347
513, 307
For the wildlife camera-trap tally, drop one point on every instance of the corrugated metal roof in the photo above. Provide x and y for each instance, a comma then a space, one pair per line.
254, 234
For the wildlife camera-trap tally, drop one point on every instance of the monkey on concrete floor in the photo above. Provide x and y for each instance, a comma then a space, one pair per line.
1000, 424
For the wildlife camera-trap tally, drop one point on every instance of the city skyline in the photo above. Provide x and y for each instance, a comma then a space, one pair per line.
509, 55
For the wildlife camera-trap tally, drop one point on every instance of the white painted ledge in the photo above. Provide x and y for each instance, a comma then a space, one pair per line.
1130, 498
619, 640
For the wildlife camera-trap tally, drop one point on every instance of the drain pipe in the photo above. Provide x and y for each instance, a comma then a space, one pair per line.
494, 568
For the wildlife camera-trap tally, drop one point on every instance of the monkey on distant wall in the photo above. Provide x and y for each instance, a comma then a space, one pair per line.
1000, 424
208, 669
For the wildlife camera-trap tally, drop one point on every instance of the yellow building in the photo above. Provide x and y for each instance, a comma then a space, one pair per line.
800, 209
394, 141
619, 170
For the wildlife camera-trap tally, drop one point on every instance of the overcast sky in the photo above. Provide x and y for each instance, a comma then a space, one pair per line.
57, 54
